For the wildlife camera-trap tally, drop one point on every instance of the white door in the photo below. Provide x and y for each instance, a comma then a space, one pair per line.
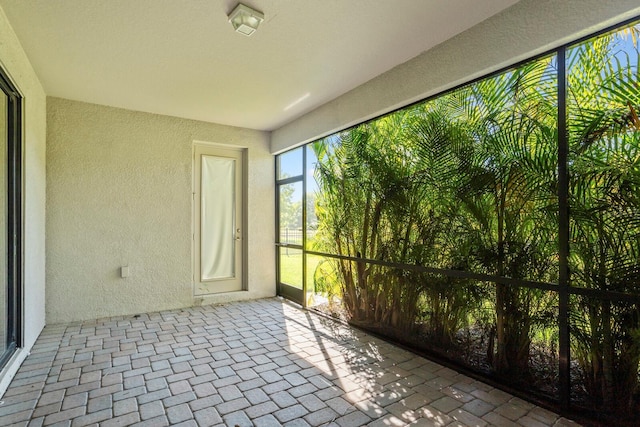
218, 219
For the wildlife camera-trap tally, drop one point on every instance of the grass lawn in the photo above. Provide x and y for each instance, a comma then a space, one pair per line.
291, 268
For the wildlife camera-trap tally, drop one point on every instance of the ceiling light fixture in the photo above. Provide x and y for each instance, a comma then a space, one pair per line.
245, 20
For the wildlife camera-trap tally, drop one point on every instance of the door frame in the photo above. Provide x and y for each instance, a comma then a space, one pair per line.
290, 292
15, 218
243, 220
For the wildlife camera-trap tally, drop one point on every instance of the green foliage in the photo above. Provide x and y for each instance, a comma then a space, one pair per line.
469, 181
604, 135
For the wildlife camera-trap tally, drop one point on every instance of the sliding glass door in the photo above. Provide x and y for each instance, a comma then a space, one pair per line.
10, 219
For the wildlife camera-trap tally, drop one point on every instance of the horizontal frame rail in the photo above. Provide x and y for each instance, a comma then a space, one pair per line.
460, 274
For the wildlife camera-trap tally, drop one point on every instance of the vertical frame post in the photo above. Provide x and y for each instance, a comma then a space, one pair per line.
277, 224
304, 226
563, 235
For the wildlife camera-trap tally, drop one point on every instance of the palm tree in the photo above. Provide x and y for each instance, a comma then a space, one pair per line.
468, 176
605, 213
506, 182
370, 206
469, 181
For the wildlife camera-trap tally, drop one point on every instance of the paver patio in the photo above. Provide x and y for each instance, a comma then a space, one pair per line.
258, 363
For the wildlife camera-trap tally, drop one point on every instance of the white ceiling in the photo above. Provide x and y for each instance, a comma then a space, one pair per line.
182, 58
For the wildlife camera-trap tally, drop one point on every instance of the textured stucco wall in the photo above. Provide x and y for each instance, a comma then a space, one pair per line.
14, 61
527, 28
119, 193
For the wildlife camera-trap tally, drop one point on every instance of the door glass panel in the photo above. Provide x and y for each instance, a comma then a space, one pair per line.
312, 197
290, 163
3, 222
291, 213
218, 225
291, 267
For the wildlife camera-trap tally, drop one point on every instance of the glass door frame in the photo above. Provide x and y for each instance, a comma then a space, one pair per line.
14, 248
236, 282
285, 290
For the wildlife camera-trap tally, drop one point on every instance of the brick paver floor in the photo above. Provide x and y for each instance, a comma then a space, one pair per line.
258, 363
